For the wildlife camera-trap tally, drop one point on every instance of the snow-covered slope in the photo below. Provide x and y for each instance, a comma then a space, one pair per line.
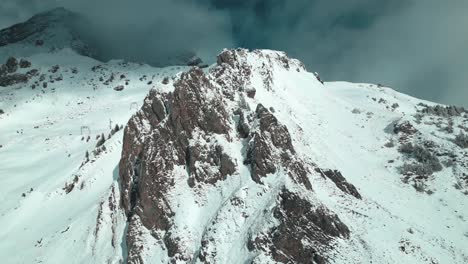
61, 205
44, 139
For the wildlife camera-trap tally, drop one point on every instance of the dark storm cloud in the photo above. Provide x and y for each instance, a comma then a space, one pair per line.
154, 30
418, 47
143, 30
15, 11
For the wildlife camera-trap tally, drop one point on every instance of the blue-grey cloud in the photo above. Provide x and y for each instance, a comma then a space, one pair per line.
417, 47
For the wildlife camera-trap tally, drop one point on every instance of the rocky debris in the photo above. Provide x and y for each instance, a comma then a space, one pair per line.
13, 79
2, 112
11, 65
424, 151
304, 233
318, 77
404, 129
382, 101
119, 88
70, 186
32, 73
9, 75
443, 111
54, 69
251, 92
340, 181
165, 80
24, 64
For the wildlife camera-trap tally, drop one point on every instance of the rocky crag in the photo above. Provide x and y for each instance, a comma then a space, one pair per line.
205, 138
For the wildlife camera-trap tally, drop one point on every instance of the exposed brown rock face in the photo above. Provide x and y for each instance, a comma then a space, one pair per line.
300, 220
303, 233
272, 143
157, 140
340, 182
171, 120
186, 132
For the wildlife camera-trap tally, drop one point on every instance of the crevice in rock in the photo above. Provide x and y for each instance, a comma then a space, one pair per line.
135, 192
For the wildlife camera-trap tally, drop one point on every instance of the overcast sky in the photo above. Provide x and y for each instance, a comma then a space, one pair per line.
415, 46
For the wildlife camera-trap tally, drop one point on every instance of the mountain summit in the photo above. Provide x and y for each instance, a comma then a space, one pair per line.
250, 160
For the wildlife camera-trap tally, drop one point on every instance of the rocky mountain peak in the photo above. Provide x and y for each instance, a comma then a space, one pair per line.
202, 136
250, 160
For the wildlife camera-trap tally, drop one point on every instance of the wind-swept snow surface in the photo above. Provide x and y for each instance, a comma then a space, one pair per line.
56, 202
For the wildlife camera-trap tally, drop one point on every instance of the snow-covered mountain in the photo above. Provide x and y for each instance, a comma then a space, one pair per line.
49, 31
59, 28
251, 160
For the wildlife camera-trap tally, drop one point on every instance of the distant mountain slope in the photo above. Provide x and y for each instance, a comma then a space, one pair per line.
59, 28
45, 32
252, 160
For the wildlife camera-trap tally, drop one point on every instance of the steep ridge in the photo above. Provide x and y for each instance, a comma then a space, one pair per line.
212, 175
253, 160
186, 139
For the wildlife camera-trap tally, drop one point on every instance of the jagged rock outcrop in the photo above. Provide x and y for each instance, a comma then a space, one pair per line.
9, 74
191, 133
303, 233
272, 143
340, 181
